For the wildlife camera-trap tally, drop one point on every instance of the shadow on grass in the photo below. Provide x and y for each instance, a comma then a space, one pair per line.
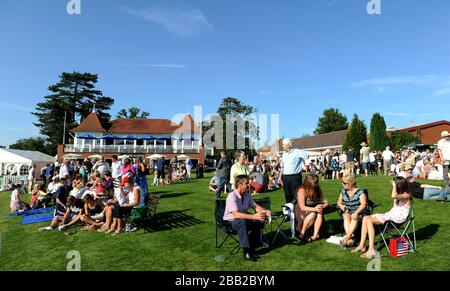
427, 232
172, 220
174, 195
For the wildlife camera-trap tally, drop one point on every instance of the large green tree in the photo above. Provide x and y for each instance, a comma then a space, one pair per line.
378, 137
402, 139
357, 133
332, 120
133, 112
232, 123
39, 144
73, 97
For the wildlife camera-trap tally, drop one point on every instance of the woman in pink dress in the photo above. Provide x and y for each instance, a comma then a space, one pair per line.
398, 214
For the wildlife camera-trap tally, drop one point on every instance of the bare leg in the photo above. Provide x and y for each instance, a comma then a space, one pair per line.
347, 220
317, 226
371, 231
56, 220
308, 222
362, 244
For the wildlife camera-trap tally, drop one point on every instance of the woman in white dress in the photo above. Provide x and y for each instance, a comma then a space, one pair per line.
398, 214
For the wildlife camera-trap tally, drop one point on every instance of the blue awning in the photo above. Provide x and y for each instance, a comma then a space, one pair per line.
130, 137
148, 137
110, 136
166, 137
86, 136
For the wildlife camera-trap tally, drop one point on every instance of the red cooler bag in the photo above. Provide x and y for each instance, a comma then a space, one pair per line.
398, 247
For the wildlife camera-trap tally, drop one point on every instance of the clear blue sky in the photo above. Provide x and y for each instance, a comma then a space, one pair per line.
292, 57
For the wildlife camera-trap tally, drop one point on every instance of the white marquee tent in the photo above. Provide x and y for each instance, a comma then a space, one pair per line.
14, 164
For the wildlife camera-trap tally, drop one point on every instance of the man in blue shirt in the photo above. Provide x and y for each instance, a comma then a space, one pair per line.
291, 170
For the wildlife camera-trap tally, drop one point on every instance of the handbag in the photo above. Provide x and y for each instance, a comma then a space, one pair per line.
398, 247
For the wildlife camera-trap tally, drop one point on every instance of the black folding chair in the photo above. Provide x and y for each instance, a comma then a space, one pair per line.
224, 232
400, 230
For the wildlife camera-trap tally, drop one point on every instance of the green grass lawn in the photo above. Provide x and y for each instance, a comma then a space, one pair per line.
184, 238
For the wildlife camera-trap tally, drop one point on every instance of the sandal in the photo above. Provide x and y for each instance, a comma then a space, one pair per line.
371, 255
344, 241
358, 250
312, 239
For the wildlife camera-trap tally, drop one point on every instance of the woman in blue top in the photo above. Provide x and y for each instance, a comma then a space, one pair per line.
352, 201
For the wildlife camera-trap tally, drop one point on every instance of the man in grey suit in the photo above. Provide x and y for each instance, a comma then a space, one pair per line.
223, 174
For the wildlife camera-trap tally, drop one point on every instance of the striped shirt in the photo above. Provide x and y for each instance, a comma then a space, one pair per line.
354, 202
292, 161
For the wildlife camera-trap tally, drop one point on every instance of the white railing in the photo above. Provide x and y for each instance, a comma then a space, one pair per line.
123, 149
14, 179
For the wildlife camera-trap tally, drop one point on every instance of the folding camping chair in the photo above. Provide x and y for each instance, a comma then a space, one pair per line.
142, 215
224, 231
278, 219
400, 230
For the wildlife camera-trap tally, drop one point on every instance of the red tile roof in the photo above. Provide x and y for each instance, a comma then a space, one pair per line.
90, 124
138, 126
423, 126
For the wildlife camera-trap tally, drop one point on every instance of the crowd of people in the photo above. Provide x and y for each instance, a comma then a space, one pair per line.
308, 199
98, 194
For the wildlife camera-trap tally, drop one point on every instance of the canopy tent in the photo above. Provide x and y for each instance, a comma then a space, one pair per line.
183, 157
71, 157
155, 157
98, 157
130, 137
86, 136
17, 163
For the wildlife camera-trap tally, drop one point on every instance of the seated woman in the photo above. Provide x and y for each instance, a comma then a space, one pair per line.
398, 214
426, 191
352, 201
93, 212
74, 211
135, 196
18, 204
213, 183
311, 205
39, 198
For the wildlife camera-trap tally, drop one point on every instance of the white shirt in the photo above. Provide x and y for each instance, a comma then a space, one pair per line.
343, 158
31, 174
365, 154
444, 147
293, 161
388, 155
63, 171
116, 169
372, 158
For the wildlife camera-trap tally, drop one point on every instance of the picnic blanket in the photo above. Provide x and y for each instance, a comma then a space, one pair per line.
37, 218
31, 212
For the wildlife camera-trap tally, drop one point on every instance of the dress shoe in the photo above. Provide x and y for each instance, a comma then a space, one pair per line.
250, 257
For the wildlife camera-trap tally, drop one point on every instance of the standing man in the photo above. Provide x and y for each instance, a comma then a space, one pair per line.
31, 177
364, 157
444, 150
351, 158
160, 174
115, 168
291, 170
236, 207
223, 174
387, 160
